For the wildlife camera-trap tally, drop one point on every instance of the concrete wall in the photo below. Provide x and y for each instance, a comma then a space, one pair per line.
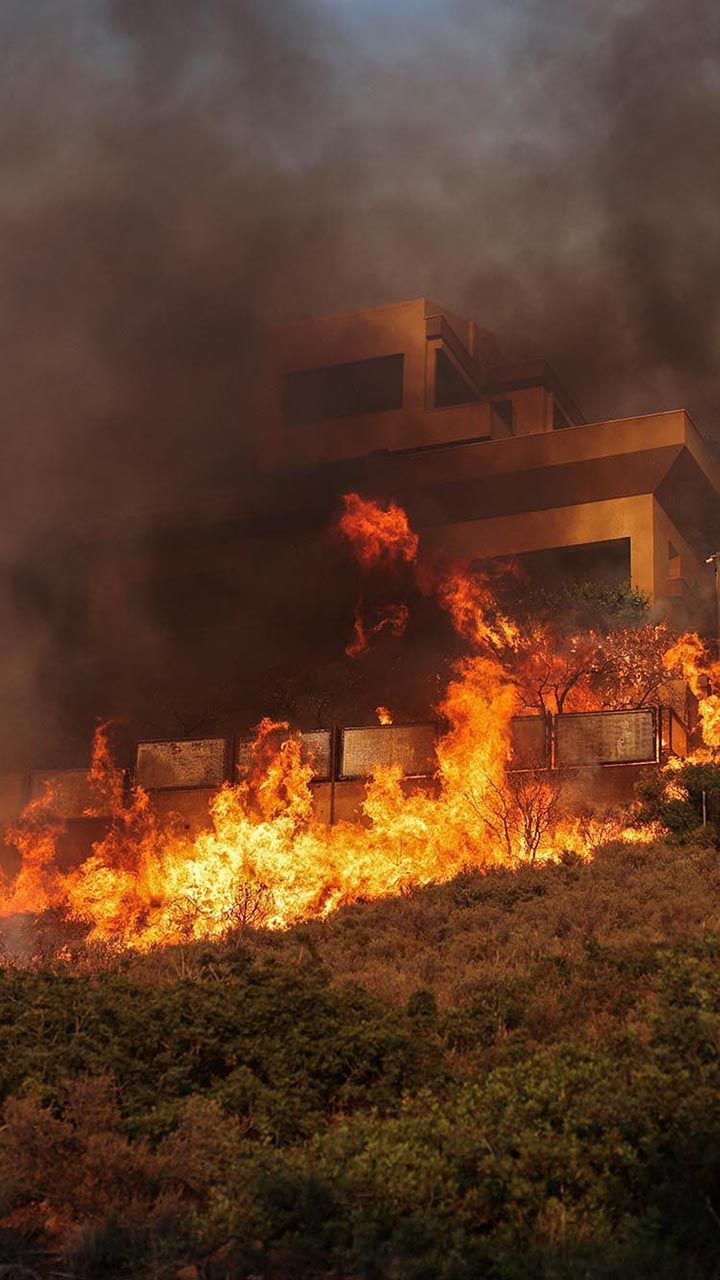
190, 806
684, 587
533, 410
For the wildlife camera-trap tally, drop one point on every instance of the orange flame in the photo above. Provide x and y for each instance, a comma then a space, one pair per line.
384, 716
144, 884
266, 854
690, 657
378, 535
383, 536
471, 603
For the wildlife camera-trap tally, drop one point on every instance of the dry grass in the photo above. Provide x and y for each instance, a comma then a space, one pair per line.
479, 928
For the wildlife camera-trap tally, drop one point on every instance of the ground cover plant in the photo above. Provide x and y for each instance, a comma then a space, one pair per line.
513, 1074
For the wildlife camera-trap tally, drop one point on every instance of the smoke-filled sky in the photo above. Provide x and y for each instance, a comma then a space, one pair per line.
177, 174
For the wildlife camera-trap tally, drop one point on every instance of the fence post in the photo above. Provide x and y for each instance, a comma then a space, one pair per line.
333, 770
552, 730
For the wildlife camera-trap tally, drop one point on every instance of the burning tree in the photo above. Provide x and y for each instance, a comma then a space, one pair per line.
589, 648
591, 671
519, 810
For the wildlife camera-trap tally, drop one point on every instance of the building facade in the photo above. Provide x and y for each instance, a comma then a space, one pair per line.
493, 458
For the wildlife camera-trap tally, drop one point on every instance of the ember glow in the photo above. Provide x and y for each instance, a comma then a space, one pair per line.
267, 859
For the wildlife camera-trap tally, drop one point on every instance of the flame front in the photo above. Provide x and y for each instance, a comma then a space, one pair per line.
265, 854
265, 857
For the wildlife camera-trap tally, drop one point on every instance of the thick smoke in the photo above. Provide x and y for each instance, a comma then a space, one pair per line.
176, 176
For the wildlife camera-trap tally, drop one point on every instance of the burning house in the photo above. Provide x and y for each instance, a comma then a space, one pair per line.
409, 402
200, 626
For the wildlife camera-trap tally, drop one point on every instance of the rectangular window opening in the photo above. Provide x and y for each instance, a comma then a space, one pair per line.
343, 390
505, 411
450, 386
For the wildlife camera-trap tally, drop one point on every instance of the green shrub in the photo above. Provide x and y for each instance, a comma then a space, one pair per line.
682, 814
557, 1118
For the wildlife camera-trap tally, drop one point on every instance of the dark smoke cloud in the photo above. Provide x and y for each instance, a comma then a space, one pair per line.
175, 175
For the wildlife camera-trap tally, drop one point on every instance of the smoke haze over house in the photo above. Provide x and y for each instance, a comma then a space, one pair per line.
176, 177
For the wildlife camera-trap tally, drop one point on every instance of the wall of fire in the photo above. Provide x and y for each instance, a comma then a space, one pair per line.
602, 753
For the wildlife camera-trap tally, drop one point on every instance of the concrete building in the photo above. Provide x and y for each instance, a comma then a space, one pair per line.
493, 458
197, 624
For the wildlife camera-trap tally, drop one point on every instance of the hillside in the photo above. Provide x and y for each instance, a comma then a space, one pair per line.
515, 1074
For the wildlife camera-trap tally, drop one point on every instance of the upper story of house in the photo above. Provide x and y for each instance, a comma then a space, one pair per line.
398, 377
489, 457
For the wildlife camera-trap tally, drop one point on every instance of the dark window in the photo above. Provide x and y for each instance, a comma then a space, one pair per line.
450, 386
596, 562
505, 412
600, 562
343, 390
560, 419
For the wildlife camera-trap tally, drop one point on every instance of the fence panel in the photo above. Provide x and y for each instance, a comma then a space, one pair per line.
161, 766
412, 746
315, 751
606, 737
70, 793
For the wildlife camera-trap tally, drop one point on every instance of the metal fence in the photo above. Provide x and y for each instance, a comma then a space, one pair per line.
412, 746
574, 740
163, 765
607, 737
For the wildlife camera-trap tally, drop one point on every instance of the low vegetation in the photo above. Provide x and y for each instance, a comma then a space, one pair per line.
511, 1075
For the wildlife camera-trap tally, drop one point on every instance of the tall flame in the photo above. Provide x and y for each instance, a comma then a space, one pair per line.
690, 657
471, 603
